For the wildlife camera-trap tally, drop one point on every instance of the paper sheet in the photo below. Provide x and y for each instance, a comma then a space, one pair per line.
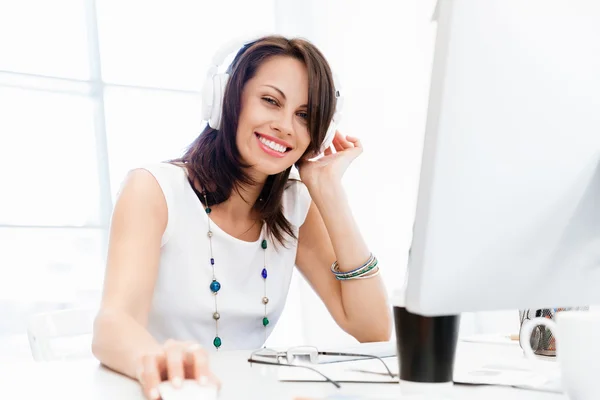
516, 374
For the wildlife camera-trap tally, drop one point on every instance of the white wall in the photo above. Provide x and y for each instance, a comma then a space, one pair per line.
383, 52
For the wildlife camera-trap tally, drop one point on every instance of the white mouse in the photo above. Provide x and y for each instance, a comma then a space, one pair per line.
189, 390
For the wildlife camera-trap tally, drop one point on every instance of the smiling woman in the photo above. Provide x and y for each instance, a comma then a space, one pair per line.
282, 91
202, 248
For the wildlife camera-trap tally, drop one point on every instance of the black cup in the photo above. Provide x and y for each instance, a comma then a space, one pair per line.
426, 346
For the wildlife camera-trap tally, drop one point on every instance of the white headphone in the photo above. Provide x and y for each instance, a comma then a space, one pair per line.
214, 90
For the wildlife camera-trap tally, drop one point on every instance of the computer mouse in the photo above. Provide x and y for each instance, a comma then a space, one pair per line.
189, 390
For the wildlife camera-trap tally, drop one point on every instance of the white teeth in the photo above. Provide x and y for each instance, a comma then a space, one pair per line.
272, 145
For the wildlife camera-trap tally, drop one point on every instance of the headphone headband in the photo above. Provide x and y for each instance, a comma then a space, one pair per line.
228, 48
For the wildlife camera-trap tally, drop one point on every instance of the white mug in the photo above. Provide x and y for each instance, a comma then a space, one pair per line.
577, 335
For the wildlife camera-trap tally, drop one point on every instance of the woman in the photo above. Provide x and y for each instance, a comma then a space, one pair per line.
202, 248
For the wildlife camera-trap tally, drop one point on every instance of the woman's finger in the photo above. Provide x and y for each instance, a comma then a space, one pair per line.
149, 376
348, 144
175, 360
335, 142
341, 142
197, 362
355, 141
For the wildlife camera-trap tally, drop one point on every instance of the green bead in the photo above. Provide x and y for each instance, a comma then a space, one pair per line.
208, 210
264, 244
265, 321
217, 342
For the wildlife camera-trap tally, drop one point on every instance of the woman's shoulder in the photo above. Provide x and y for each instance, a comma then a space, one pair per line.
168, 177
166, 173
171, 178
173, 168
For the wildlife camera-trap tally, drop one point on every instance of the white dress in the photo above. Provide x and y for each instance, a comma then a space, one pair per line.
183, 304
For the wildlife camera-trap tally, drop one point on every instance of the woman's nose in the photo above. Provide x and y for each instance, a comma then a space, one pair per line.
283, 124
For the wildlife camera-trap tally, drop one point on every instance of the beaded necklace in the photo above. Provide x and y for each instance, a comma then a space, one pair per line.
215, 285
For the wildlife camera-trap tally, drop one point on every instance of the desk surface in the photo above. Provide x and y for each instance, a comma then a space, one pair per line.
86, 379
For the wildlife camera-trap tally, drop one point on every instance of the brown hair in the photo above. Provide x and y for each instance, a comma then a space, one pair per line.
213, 158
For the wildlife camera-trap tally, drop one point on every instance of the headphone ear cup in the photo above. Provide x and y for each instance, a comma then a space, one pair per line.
219, 83
328, 137
331, 130
337, 116
207, 99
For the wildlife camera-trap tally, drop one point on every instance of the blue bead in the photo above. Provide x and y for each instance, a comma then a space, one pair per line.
264, 273
212, 261
215, 286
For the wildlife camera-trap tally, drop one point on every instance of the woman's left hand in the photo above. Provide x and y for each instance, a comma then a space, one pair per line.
330, 168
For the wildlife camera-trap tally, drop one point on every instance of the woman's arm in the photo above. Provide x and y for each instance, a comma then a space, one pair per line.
330, 233
358, 306
121, 340
138, 222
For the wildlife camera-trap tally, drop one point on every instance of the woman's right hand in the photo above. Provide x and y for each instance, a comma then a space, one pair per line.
177, 361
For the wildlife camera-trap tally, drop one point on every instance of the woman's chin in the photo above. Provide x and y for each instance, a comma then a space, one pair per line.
266, 169
265, 166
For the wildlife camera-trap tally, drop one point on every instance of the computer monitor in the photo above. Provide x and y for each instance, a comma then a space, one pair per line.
508, 213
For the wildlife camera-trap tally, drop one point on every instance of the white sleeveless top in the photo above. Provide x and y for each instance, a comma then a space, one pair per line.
183, 304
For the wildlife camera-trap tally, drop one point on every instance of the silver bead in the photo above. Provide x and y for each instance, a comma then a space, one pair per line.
216, 316
265, 300
209, 234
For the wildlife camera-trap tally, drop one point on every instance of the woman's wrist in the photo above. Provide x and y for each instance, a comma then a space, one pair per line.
327, 191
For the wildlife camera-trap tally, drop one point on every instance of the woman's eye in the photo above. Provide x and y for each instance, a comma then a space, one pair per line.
303, 115
270, 100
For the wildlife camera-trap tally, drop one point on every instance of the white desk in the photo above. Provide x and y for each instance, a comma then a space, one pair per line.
86, 379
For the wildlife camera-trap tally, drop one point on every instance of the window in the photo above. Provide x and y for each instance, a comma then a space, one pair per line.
88, 90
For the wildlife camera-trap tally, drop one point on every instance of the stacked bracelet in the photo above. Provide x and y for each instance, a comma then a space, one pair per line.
374, 274
367, 270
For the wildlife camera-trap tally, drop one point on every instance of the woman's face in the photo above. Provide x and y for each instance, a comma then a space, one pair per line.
272, 131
